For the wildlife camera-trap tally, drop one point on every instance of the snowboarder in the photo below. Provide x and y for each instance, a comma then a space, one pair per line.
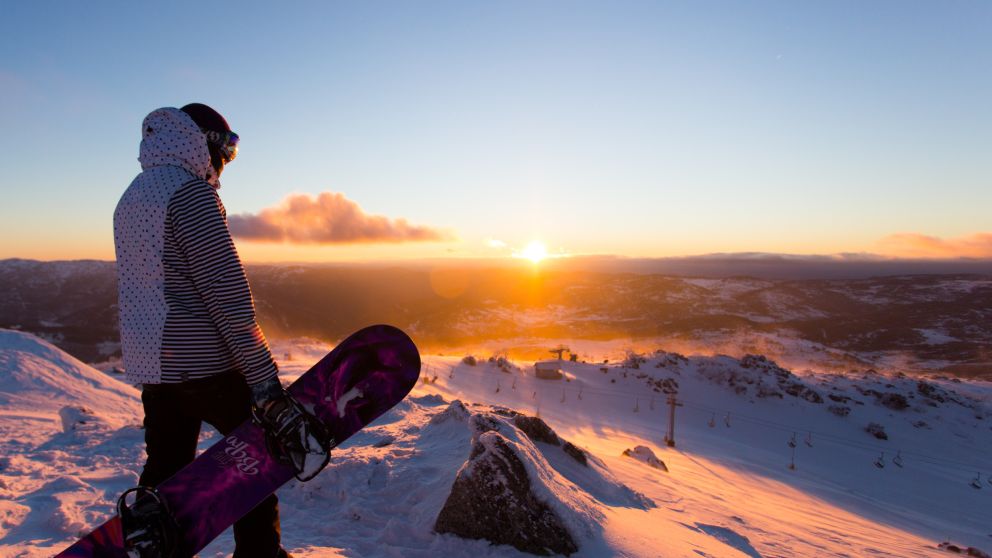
187, 321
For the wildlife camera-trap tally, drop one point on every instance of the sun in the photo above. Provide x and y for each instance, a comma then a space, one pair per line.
535, 252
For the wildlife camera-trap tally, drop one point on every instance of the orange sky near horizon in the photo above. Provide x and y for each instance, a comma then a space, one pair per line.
61, 245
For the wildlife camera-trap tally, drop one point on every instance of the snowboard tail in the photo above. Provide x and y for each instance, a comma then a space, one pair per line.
362, 378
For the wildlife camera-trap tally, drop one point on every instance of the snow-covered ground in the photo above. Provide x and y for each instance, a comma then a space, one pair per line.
70, 442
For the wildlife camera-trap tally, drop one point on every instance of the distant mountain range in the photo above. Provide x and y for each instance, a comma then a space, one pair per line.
935, 321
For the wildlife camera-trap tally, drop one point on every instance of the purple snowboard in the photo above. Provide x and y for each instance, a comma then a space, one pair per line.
362, 378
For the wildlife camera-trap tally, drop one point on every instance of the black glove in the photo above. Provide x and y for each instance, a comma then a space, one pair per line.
266, 391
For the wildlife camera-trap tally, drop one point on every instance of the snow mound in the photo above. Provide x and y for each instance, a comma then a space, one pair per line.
644, 453
37, 379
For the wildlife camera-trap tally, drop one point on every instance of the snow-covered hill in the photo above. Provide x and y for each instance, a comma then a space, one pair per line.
728, 489
730, 466
69, 439
37, 377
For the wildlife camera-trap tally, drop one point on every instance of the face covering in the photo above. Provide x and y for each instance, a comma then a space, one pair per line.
213, 178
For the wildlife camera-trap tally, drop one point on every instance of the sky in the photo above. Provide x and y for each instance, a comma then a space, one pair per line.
473, 129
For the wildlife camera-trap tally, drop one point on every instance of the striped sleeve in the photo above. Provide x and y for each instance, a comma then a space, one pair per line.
204, 241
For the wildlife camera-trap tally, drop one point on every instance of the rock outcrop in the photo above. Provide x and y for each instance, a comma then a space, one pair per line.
492, 499
539, 431
524, 485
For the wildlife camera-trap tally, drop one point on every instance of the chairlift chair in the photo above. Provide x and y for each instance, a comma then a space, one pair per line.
880, 461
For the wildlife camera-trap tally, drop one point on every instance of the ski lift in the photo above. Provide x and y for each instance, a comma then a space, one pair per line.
713, 420
897, 460
726, 420
880, 461
792, 441
976, 482
809, 439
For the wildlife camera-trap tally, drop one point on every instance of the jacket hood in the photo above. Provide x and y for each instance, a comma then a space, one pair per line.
170, 137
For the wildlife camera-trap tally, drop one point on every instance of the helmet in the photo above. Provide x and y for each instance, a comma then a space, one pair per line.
221, 141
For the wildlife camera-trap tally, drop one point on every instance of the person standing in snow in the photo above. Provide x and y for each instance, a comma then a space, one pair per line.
187, 321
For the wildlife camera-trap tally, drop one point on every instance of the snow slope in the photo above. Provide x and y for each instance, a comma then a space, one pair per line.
69, 440
836, 501
728, 491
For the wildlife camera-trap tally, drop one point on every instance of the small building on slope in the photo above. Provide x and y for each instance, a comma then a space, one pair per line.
548, 370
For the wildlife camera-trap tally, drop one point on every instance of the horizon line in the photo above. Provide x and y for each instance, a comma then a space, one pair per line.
758, 265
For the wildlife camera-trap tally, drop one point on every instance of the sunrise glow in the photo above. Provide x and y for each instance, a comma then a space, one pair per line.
535, 252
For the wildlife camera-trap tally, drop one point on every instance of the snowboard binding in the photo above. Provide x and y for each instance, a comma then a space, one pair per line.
294, 436
150, 530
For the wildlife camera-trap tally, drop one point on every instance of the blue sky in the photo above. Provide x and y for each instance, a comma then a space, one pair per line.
632, 128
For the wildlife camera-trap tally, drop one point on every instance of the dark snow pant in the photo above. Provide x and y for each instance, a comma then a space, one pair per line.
173, 413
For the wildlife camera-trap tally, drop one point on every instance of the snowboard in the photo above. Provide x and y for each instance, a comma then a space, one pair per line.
362, 378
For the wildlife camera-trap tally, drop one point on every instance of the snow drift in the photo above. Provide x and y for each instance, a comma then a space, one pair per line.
38, 379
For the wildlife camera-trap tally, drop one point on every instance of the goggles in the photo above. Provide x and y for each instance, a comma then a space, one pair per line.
225, 142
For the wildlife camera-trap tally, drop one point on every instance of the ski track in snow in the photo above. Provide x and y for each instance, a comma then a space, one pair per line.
729, 492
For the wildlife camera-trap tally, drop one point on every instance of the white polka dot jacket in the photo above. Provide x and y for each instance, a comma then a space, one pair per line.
186, 311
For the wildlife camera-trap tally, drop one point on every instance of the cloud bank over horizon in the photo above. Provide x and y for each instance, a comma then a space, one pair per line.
916, 245
328, 218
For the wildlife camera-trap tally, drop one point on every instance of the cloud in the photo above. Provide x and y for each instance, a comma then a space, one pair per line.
329, 218
915, 245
